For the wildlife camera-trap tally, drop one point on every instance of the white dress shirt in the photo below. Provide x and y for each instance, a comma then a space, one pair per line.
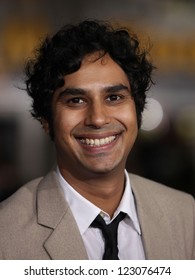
129, 233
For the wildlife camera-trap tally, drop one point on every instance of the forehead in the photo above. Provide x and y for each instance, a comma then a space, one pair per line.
97, 69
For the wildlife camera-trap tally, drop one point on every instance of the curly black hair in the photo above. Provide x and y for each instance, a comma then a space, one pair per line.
63, 53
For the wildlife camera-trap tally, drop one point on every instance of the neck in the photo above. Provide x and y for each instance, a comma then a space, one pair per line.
103, 190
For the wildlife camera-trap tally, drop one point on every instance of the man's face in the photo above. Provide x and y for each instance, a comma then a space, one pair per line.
95, 122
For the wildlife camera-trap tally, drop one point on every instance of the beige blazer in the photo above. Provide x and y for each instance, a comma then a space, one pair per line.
36, 222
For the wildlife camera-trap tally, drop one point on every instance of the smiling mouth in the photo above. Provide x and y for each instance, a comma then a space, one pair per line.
98, 142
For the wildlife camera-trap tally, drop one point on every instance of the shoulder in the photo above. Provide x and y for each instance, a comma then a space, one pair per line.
148, 190
147, 185
23, 203
19, 202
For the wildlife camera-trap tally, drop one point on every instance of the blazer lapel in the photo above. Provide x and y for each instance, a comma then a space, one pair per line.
153, 223
64, 241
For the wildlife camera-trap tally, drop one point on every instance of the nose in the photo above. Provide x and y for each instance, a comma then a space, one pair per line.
97, 115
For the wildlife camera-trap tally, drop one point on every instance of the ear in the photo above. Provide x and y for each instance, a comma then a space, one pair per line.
45, 125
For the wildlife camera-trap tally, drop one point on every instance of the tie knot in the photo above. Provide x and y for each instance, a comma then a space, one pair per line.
100, 223
109, 232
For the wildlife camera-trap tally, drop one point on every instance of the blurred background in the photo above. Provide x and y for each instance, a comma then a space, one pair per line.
165, 148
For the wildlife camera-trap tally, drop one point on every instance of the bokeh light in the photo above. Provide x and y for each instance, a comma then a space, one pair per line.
152, 115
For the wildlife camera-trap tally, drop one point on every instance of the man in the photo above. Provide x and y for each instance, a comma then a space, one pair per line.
88, 84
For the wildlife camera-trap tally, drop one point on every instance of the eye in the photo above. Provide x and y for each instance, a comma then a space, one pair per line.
75, 101
114, 97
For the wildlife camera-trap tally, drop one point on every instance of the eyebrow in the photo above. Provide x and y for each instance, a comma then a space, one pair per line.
116, 88
81, 91
72, 91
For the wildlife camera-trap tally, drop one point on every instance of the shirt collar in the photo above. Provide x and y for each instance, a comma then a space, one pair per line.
85, 212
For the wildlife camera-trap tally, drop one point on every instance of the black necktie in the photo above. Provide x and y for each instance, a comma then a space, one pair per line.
110, 233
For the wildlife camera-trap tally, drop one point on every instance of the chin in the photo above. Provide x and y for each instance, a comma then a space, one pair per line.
102, 170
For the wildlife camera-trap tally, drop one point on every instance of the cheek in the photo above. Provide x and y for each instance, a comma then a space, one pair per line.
65, 122
129, 118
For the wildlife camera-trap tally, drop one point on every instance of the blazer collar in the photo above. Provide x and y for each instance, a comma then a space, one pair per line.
64, 241
153, 223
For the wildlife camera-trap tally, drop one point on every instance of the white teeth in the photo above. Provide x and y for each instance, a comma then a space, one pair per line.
97, 142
